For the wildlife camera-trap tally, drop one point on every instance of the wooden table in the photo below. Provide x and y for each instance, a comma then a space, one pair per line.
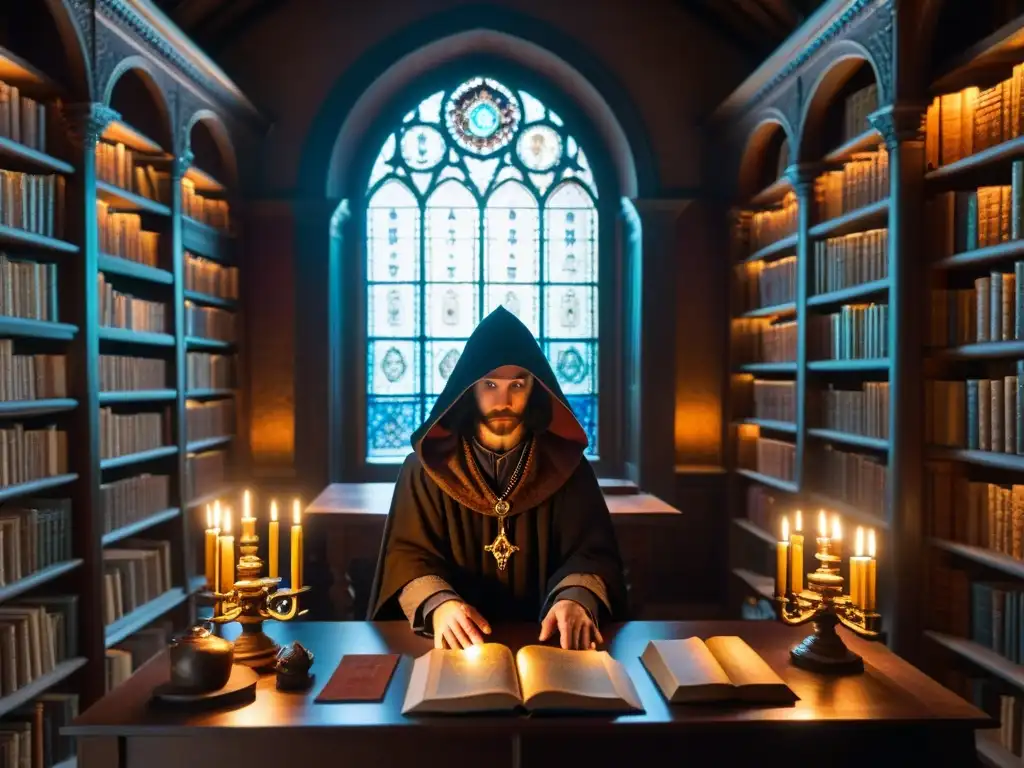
892, 715
347, 522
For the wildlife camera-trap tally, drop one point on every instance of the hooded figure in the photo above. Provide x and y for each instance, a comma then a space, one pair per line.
510, 532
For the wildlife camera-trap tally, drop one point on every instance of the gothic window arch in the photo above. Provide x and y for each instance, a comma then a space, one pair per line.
480, 197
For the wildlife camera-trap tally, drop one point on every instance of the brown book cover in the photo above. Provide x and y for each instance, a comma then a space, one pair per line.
360, 677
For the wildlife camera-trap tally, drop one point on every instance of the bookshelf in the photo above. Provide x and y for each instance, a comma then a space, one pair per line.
921, 436
117, 240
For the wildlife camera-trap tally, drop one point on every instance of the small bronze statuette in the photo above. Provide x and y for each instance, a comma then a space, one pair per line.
200, 661
292, 666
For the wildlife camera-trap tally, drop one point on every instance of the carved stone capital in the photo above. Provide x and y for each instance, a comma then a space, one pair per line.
802, 176
182, 162
86, 121
899, 123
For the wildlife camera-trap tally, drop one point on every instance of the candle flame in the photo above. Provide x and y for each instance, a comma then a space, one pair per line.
216, 513
785, 529
296, 512
837, 528
227, 520
273, 510
871, 543
858, 546
209, 517
473, 652
798, 524
822, 524
246, 504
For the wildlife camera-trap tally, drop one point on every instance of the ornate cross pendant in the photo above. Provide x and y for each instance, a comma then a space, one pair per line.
501, 547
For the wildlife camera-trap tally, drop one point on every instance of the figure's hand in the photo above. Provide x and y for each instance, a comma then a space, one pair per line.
576, 629
458, 625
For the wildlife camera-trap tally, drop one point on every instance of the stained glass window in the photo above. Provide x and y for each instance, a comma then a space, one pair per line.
480, 198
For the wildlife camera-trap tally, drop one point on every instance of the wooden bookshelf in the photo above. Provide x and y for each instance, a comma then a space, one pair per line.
119, 215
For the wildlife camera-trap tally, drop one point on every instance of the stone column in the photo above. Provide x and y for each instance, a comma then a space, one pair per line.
900, 127
172, 244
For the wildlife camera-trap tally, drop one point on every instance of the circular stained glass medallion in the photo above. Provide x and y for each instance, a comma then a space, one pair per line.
539, 147
422, 147
482, 115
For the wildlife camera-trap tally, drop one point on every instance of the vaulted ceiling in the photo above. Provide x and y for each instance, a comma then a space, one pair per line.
755, 27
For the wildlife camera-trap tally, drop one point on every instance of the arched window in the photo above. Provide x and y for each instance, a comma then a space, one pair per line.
480, 198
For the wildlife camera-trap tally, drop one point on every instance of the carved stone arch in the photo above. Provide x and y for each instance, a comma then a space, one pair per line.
193, 112
74, 20
846, 56
163, 90
874, 37
768, 120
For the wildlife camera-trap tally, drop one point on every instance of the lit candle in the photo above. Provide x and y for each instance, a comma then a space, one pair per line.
248, 521
211, 550
782, 561
296, 545
858, 571
869, 580
226, 544
837, 536
822, 525
796, 555
273, 541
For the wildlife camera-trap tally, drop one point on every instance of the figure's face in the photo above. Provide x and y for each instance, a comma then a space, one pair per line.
501, 398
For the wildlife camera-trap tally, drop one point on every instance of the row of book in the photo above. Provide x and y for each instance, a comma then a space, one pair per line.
122, 434
775, 400
768, 456
855, 479
30, 736
764, 342
205, 473
208, 371
30, 377
121, 234
124, 373
33, 202
122, 310
134, 573
132, 499
960, 124
997, 618
22, 119
970, 219
972, 512
209, 277
863, 411
858, 106
204, 420
977, 414
36, 634
855, 332
843, 262
770, 226
862, 180
28, 289
992, 311
130, 654
32, 454
203, 209
210, 323
764, 508
768, 284
34, 534
118, 165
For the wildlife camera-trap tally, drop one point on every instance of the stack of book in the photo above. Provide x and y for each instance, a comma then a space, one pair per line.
137, 571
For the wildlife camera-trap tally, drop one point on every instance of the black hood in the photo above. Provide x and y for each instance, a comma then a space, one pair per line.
501, 339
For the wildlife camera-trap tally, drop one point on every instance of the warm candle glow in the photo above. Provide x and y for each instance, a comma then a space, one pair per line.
798, 523
210, 551
858, 546
870, 576
246, 504
216, 513
785, 530
296, 513
473, 652
296, 545
871, 543
227, 520
273, 543
209, 517
837, 528
226, 545
822, 525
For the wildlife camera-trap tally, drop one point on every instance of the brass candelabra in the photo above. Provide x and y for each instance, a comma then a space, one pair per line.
252, 600
824, 603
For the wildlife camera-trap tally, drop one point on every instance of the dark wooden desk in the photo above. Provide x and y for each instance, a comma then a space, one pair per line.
891, 715
663, 548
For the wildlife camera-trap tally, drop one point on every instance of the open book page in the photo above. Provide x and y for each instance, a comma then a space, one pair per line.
750, 673
553, 678
686, 670
475, 679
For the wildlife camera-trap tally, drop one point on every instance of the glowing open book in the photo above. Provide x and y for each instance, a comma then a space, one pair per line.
539, 678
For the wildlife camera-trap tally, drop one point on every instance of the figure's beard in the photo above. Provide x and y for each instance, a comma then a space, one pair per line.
502, 422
